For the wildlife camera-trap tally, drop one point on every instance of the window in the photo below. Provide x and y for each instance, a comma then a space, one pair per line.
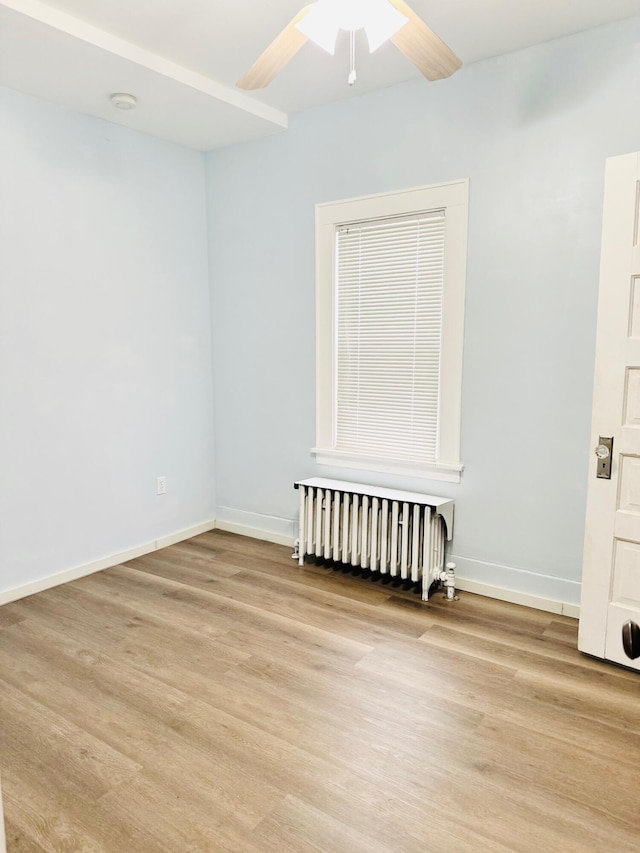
390, 314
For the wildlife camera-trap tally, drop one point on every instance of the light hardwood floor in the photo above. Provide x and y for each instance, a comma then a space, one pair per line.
214, 697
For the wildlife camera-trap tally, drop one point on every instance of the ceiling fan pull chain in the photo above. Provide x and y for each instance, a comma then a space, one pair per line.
352, 56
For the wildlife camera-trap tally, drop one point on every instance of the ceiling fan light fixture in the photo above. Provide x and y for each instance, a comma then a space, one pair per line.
378, 18
320, 25
381, 20
383, 25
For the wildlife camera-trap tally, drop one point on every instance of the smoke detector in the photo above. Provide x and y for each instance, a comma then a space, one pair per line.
123, 101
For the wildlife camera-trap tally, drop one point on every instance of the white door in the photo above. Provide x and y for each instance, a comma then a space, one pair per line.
610, 606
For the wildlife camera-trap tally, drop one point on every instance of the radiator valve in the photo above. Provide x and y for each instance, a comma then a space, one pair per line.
296, 550
448, 579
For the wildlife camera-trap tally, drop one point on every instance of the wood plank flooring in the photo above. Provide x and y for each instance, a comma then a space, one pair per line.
214, 697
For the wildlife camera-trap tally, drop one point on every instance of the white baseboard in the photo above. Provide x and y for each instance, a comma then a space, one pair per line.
254, 533
468, 576
519, 586
187, 533
269, 528
537, 602
278, 530
23, 591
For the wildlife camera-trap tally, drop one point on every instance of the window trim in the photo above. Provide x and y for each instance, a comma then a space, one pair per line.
453, 198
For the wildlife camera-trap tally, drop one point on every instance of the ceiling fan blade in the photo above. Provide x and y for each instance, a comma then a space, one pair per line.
281, 50
423, 47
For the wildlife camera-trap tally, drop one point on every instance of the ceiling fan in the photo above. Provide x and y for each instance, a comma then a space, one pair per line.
381, 20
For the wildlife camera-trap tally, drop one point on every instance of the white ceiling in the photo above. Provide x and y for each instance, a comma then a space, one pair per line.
181, 58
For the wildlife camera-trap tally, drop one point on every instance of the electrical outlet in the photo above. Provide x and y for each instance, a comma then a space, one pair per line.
161, 485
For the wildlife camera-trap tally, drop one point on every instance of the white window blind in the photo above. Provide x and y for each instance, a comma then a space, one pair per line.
390, 277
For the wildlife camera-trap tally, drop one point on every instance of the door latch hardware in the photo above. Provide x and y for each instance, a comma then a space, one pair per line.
604, 452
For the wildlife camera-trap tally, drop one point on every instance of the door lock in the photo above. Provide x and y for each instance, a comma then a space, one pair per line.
604, 452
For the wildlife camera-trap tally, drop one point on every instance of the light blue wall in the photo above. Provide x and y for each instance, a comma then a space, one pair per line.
105, 340
531, 131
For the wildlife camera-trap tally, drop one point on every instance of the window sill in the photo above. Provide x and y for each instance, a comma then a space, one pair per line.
429, 471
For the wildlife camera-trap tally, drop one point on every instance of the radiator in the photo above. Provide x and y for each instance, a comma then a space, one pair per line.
395, 536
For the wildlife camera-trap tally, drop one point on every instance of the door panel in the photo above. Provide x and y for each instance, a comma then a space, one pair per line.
611, 568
